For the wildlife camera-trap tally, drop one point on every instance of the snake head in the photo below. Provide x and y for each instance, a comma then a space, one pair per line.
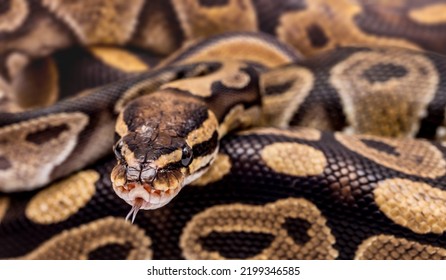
150, 172
166, 142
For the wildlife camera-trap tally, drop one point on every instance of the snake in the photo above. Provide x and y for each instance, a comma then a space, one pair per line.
241, 129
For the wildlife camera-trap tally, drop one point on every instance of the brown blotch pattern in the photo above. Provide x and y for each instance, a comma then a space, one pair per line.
77, 243
219, 168
4, 204
388, 247
415, 157
202, 86
269, 219
15, 16
104, 21
332, 18
62, 199
199, 21
430, 14
32, 164
379, 100
242, 47
294, 159
414, 205
47, 134
280, 107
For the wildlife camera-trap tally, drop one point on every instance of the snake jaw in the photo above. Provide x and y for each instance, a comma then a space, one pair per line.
144, 196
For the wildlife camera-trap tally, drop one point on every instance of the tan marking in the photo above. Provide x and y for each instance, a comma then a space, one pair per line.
201, 22
32, 164
238, 48
204, 132
15, 16
62, 199
198, 163
280, 108
402, 101
302, 133
287, 158
104, 21
15, 63
4, 205
334, 17
430, 14
121, 127
166, 183
237, 80
414, 205
166, 159
269, 219
202, 86
219, 168
415, 157
388, 247
118, 58
239, 117
77, 243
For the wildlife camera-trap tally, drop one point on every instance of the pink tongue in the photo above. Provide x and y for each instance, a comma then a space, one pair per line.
136, 206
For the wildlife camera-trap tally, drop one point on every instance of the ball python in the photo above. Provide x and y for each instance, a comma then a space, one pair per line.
270, 193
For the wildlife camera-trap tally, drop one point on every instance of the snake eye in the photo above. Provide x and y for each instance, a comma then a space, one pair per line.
117, 149
187, 156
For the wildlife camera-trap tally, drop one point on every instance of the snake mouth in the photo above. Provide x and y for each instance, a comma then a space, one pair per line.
145, 196
146, 193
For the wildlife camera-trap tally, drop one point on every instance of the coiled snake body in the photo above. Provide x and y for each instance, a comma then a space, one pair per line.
309, 192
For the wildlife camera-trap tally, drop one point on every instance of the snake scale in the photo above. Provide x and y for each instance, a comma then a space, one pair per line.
338, 90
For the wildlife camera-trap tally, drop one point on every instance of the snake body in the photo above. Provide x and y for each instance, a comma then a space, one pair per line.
268, 193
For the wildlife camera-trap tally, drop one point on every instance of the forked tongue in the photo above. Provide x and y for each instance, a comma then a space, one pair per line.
136, 206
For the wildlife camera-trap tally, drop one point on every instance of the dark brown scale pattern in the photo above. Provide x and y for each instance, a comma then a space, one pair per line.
343, 193
78, 70
431, 37
323, 93
317, 36
383, 72
297, 229
45, 135
110, 252
237, 245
